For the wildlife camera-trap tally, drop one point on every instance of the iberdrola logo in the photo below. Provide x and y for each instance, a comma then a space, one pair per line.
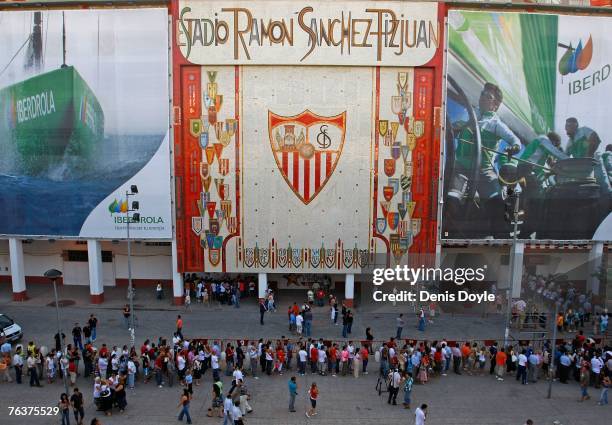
118, 207
575, 59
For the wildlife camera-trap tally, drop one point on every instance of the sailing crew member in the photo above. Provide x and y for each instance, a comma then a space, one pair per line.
603, 170
606, 159
492, 131
543, 150
583, 141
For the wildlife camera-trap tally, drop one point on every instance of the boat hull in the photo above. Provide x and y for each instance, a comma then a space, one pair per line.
50, 116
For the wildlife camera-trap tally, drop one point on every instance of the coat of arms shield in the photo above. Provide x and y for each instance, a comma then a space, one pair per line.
306, 148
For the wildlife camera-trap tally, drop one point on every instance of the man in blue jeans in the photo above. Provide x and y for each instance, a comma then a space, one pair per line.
292, 393
228, 405
93, 324
307, 321
400, 326
185, 398
521, 373
77, 336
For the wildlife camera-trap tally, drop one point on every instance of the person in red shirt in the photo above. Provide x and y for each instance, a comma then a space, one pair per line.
158, 368
314, 357
313, 394
363, 353
500, 362
103, 351
438, 360
333, 360
465, 353
179, 326
280, 360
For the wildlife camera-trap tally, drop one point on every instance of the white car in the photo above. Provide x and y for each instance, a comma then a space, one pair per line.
11, 330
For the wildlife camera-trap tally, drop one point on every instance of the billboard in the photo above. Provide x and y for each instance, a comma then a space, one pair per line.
525, 95
305, 169
83, 116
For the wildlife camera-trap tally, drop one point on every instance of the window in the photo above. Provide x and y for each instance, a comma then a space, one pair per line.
158, 243
80, 256
107, 256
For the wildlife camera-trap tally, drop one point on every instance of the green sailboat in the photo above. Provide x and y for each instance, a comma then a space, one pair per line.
49, 116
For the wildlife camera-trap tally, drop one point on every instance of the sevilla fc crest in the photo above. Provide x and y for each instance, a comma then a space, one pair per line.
306, 148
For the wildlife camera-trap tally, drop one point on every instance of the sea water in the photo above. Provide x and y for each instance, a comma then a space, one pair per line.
57, 201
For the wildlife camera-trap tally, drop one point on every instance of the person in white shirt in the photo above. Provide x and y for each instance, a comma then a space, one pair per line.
299, 322
31, 361
228, 406
131, 367
302, 357
214, 363
522, 368
420, 415
237, 376
394, 384
18, 365
181, 364
596, 365
322, 359
253, 356
97, 387
236, 413
200, 291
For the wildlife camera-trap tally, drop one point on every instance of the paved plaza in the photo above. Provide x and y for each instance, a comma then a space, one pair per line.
157, 317
452, 399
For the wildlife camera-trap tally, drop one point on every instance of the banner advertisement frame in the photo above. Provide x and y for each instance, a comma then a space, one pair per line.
73, 147
539, 140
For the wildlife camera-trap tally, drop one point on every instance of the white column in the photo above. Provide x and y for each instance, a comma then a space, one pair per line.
262, 285
177, 277
96, 277
349, 289
438, 255
595, 260
17, 270
517, 265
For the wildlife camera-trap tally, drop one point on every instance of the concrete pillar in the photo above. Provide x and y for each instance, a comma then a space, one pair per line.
96, 276
17, 270
594, 268
262, 285
177, 278
349, 289
438, 255
516, 262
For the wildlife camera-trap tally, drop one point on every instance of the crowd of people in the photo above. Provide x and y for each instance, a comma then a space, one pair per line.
400, 363
576, 308
207, 290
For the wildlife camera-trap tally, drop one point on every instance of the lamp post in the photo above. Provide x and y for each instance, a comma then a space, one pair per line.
552, 364
136, 217
53, 275
513, 215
